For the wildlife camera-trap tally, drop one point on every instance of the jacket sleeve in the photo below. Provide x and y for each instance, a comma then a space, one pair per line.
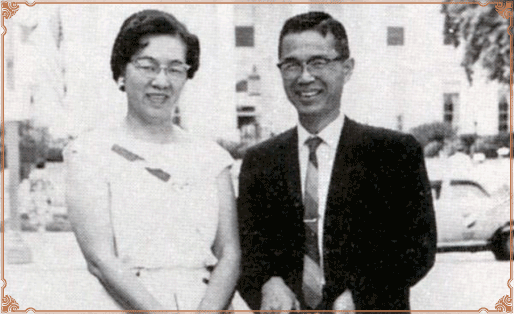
420, 225
256, 261
406, 250
428, 236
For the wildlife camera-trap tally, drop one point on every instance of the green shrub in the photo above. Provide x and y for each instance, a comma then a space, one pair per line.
59, 223
435, 131
488, 145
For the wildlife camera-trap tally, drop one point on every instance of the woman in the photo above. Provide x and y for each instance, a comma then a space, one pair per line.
152, 207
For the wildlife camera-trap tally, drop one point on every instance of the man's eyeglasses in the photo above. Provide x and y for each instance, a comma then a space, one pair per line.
293, 68
151, 68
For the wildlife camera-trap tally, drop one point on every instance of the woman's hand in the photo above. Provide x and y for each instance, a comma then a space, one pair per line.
277, 296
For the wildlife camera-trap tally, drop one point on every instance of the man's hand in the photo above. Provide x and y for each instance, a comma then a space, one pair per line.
276, 295
344, 302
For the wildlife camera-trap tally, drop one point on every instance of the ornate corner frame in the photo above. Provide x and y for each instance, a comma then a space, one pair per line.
505, 9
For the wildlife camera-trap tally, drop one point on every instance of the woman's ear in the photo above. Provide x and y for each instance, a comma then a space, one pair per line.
121, 83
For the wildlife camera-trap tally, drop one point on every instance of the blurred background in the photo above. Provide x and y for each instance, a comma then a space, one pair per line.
439, 72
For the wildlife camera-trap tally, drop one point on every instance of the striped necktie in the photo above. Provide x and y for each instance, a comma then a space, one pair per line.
312, 272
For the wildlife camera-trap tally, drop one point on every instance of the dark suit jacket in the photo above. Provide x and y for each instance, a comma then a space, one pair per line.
379, 229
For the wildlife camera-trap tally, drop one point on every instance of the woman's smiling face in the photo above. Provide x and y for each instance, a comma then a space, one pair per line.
152, 99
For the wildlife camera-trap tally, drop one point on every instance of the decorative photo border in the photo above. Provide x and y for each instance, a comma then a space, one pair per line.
11, 8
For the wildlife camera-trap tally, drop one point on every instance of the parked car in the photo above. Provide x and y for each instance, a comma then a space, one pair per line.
470, 218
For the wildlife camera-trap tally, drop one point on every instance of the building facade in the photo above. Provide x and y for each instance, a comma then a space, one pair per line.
404, 76
405, 73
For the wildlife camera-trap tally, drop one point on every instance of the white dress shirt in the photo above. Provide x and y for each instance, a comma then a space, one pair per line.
325, 154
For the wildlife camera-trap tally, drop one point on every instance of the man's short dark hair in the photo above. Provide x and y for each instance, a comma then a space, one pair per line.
151, 22
320, 22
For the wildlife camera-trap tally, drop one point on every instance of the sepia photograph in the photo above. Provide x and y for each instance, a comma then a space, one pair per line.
317, 156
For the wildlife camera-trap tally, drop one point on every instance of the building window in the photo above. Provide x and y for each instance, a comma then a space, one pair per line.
248, 128
244, 36
242, 86
503, 115
399, 122
451, 102
395, 36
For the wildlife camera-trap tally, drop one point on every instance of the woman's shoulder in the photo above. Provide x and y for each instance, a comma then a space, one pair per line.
204, 144
93, 140
205, 148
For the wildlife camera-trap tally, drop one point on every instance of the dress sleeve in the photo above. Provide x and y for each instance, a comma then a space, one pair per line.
221, 159
87, 151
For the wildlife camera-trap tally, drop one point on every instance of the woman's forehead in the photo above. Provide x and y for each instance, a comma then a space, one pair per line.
162, 47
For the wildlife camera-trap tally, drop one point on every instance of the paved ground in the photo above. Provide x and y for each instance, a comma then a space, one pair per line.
57, 279
462, 281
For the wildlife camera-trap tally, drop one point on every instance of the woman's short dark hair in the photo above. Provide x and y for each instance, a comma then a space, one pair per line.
320, 22
150, 22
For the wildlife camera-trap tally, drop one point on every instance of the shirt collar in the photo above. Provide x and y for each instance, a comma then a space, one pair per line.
330, 134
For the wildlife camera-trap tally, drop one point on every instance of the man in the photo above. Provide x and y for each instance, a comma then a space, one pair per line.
333, 214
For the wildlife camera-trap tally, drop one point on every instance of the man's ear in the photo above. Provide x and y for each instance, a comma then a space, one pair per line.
348, 69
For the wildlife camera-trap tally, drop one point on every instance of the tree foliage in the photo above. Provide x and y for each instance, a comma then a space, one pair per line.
433, 132
484, 34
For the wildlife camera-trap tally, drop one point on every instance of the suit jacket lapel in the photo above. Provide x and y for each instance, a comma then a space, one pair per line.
292, 168
337, 206
339, 177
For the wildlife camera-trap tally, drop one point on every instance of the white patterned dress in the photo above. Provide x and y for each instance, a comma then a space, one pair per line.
163, 207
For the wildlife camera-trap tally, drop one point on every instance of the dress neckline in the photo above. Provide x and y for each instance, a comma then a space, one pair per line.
123, 133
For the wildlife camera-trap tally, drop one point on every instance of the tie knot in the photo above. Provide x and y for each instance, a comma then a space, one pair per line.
313, 143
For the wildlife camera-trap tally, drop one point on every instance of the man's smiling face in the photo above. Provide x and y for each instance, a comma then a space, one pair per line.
315, 94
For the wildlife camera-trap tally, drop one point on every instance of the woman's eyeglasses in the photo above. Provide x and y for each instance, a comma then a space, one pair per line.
151, 68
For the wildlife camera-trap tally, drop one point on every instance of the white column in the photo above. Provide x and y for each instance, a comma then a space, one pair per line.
16, 250
226, 66
208, 102
12, 140
300, 8
276, 112
92, 98
21, 51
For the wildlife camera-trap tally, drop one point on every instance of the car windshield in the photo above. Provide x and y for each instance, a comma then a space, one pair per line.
465, 189
459, 189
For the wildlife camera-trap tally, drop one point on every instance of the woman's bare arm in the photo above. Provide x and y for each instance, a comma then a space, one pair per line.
87, 197
226, 248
